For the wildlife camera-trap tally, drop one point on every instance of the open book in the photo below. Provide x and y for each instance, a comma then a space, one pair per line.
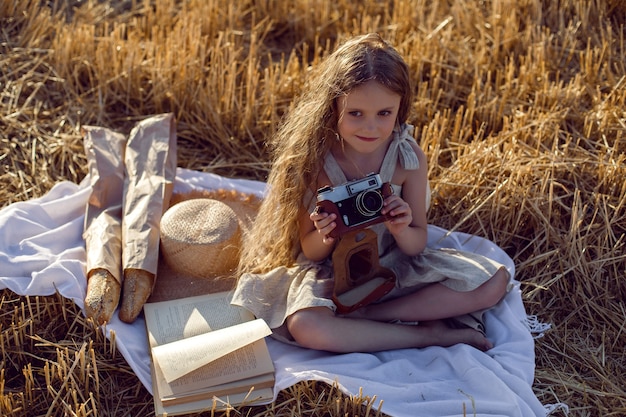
207, 354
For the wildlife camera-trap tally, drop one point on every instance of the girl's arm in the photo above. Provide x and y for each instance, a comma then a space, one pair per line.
409, 224
314, 239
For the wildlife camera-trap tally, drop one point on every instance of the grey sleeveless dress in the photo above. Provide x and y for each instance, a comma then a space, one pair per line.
275, 295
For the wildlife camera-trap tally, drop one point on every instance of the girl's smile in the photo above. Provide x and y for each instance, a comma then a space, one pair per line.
366, 139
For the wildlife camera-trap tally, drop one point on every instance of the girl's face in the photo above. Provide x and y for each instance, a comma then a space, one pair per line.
368, 115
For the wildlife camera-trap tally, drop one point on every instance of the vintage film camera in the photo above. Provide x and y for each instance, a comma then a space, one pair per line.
357, 204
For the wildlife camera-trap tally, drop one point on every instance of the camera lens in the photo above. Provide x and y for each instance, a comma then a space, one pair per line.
369, 203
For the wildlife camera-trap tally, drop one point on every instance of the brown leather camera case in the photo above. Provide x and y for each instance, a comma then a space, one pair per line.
359, 278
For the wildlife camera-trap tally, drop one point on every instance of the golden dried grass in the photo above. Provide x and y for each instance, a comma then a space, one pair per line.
520, 107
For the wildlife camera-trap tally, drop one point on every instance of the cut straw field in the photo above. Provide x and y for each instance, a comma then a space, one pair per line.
520, 107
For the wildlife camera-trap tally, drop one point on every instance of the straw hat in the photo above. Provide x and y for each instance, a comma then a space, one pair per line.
201, 236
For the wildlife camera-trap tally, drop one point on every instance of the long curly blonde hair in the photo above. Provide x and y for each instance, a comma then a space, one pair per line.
305, 137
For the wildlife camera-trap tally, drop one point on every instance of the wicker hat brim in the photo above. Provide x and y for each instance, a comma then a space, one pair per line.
171, 285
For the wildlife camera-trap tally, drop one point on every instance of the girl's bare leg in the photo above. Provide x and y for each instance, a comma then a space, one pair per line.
319, 328
437, 302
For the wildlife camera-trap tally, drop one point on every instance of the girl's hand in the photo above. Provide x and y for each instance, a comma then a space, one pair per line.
399, 212
324, 223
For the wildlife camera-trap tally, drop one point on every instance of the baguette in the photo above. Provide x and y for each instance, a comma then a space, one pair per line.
138, 284
103, 295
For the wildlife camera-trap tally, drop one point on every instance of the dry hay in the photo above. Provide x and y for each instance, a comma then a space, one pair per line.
520, 107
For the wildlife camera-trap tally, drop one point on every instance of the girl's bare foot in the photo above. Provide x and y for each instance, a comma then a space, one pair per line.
447, 336
474, 338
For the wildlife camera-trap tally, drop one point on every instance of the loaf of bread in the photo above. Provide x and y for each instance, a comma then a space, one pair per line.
138, 284
103, 295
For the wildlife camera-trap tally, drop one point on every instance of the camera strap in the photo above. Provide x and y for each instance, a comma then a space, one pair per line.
359, 277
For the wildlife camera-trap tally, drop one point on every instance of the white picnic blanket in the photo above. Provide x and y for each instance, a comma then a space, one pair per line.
42, 251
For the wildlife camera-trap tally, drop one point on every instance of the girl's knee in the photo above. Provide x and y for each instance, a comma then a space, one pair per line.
306, 327
497, 287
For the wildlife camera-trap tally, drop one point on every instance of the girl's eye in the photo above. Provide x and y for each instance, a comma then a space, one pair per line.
355, 113
385, 113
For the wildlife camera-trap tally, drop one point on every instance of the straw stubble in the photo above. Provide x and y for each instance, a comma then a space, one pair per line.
519, 107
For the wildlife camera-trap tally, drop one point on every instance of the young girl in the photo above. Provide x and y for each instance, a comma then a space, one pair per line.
351, 121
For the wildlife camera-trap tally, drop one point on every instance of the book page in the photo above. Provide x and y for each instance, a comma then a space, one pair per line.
178, 358
168, 321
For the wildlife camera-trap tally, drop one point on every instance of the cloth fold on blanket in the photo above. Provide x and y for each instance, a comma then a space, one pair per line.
42, 252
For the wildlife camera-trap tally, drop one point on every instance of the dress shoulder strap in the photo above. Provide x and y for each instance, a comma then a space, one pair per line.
399, 151
333, 170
